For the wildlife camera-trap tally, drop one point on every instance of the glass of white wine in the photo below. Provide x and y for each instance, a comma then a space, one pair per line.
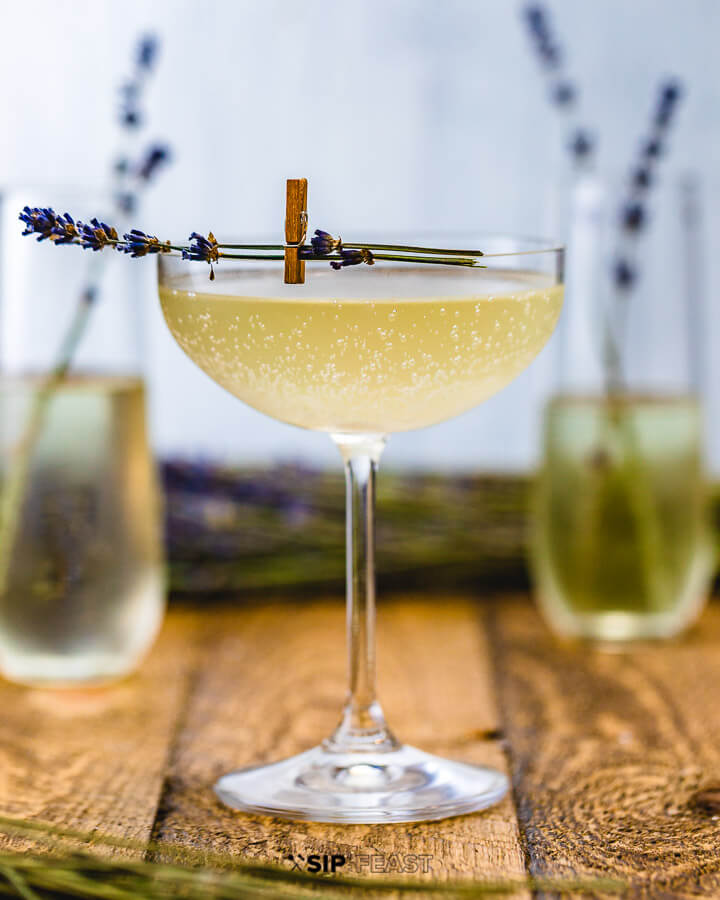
359, 354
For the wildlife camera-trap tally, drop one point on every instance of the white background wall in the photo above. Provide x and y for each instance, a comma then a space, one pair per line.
410, 113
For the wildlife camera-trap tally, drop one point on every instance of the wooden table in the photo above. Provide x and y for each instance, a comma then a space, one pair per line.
607, 752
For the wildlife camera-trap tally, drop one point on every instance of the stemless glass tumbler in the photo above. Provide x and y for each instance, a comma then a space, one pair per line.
81, 561
622, 546
358, 354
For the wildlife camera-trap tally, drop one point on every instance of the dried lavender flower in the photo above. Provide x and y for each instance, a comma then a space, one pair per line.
353, 258
204, 249
156, 156
633, 217
48, 225
582, 144
670, 93
324, 243
39, 221
562, 90
642, 178
653, 148
539, 26
130, 117
65, 230
563, 93
137, 244
97, 235
147, 51
126, 202
624, 274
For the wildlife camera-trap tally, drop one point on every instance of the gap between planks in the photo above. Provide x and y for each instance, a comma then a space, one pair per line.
608, 751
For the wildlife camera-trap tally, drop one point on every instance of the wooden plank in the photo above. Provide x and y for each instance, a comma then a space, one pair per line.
609, 751
94, 759
275, 686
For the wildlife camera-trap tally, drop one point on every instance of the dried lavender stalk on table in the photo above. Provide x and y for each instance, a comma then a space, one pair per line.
239, 531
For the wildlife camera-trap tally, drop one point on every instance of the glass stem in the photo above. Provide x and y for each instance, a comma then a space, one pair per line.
363, 724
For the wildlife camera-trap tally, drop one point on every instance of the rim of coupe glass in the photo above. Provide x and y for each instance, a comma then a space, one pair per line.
492, 241
496, 246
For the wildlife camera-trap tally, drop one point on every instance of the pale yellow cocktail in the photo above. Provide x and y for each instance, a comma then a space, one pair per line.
370, 352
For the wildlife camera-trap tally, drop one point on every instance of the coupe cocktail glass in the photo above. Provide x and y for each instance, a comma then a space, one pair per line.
360, 354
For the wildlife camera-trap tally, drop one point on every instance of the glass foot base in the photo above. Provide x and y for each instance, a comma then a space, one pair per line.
403, 785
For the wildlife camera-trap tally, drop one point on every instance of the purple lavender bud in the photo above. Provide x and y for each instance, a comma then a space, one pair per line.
130, 117
130, 91
96, 235
147, 50
624, 274
671, 92
126, 202
536, 19
137, 243
353, 258
581, 144
65, 230
39, 221
642, 178
324, 243
563, 93
156, 156
204, 249
633, 217
550, 53
653, 148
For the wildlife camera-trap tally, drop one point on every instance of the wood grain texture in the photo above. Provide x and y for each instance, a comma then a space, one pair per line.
609, 752
295, 227
274, 686
94, 759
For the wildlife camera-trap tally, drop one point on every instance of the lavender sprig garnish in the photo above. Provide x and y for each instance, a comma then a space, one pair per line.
98, 235
563, 92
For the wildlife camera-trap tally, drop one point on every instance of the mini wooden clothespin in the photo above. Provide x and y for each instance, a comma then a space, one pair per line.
295, 229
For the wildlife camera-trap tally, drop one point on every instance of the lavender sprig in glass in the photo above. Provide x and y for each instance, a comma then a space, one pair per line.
634, 218
563, 92
131, 178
